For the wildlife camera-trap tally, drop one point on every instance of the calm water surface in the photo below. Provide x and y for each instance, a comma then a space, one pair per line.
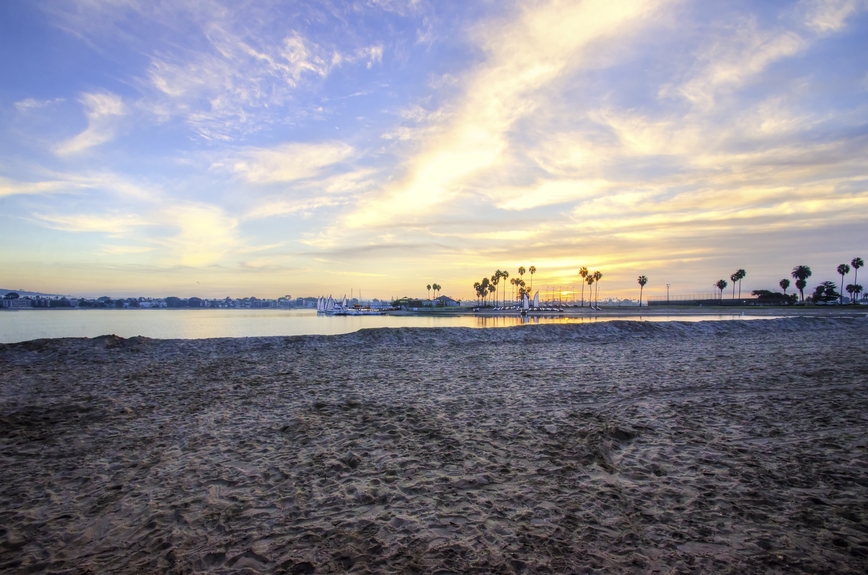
25, 325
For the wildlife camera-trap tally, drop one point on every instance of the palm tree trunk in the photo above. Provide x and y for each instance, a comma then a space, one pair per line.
583, 292
842, 289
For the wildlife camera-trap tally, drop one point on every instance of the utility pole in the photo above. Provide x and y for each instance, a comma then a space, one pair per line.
667, 294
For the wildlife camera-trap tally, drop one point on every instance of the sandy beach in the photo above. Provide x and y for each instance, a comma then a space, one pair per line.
615, 447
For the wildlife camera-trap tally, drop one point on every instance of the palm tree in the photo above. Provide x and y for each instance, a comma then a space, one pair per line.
843, 270
477, 287
597, 277
734, 278
583, 271
741, 276
851, 289
642, 281
784, 283
429, 290
492, 288
531, 270
857, 289
521, 271
801, 285
856, 263
590, 280
505, 275
495, 280
801, 274
721, 285
485, 285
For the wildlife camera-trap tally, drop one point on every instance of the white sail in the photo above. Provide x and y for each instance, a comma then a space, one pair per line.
344, 303
536, 299
525, 303
330, 304
319, 303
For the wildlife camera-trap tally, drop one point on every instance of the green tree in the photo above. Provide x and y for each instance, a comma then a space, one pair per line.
856, 263
477, 288
734, 279
583, 271
589, 279
843, 270
741, 275
721, 285
801, 275
428, 287
495, 279
504, 275
784, 283
531, 270
597, 277
642, 281
825, 293
854, 290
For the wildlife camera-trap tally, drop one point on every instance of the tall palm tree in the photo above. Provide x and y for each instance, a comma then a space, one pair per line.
492, 288
521, 272
857, 289
590, 280
583, 271
505, 275
531, 270
597, 277
843, 270
784, 283
856, 263
801, 275
642, 281
476, 287
495, 279
741, 276
721, 285
429, 290
734, 279
486, 284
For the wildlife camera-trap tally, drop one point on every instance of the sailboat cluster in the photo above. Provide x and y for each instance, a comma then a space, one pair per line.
330, 306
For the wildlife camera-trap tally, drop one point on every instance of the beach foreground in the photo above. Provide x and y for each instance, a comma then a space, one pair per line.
729, 446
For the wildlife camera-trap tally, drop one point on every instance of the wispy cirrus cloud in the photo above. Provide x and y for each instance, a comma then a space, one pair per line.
523, 58
103, 111
826, 16
289, 162
28, 104
113, 224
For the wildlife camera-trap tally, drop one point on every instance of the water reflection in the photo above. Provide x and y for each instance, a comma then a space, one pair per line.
195, 324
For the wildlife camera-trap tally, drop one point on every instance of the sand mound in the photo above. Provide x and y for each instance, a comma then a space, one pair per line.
630, 447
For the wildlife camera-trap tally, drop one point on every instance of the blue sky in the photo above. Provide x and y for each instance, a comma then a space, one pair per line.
263, 148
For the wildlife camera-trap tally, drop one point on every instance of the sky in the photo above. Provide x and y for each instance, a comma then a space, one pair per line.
235, 148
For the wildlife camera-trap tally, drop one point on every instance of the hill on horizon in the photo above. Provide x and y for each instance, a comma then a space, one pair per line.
24, 292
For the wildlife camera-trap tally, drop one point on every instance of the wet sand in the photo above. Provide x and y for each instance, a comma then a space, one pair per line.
625, 447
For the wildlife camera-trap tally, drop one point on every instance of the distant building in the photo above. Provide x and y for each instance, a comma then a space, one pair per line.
20, 303
446, 301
